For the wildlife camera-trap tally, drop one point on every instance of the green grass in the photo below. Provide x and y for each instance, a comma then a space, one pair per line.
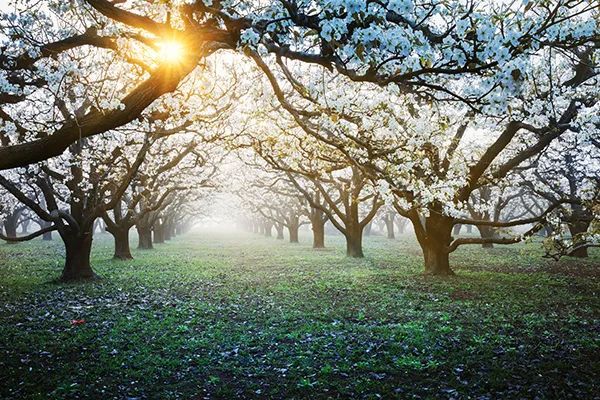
214, 316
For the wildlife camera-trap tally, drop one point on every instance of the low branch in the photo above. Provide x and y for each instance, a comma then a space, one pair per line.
30, 236
506, 224
500, 240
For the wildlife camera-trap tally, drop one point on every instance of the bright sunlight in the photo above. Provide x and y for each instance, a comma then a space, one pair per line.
170, 51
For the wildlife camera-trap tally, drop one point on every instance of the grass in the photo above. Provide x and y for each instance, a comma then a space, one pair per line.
218, 316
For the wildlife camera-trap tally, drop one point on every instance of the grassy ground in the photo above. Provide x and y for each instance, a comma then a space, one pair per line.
213, 316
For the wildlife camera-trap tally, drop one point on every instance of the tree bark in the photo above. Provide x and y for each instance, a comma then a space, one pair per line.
293, 230
25, 227
575, 229
166, 229
389, 224
279, 228
487, 232
354, 241
437, 260
10, 227
435, 237
44, 224
145, 238
159, 236
122, 250
77, 264
318, 228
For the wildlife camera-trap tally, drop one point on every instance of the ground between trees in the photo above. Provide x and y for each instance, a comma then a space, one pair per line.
212, 316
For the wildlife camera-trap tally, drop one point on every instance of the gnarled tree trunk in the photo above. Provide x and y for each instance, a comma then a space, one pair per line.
354, 241
293, 230
435, 239
10, 226
437, 260
122, 250
145, 238
77, 263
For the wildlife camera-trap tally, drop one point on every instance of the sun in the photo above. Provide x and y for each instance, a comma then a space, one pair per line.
170, 51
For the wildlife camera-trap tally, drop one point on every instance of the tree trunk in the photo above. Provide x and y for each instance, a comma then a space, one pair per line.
159, 236
318, 228
145, 238
368, 228
389, 224
279, 228
354, 242
577, 229
401, 224
45, 224
77, 264
101, 226
456, 229
268, 229
434, 240
487, 232
25, 227
10, 227
293, 229
437, 260
166, 229
122, 251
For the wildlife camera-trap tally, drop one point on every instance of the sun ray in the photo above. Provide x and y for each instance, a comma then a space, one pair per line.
170, 51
